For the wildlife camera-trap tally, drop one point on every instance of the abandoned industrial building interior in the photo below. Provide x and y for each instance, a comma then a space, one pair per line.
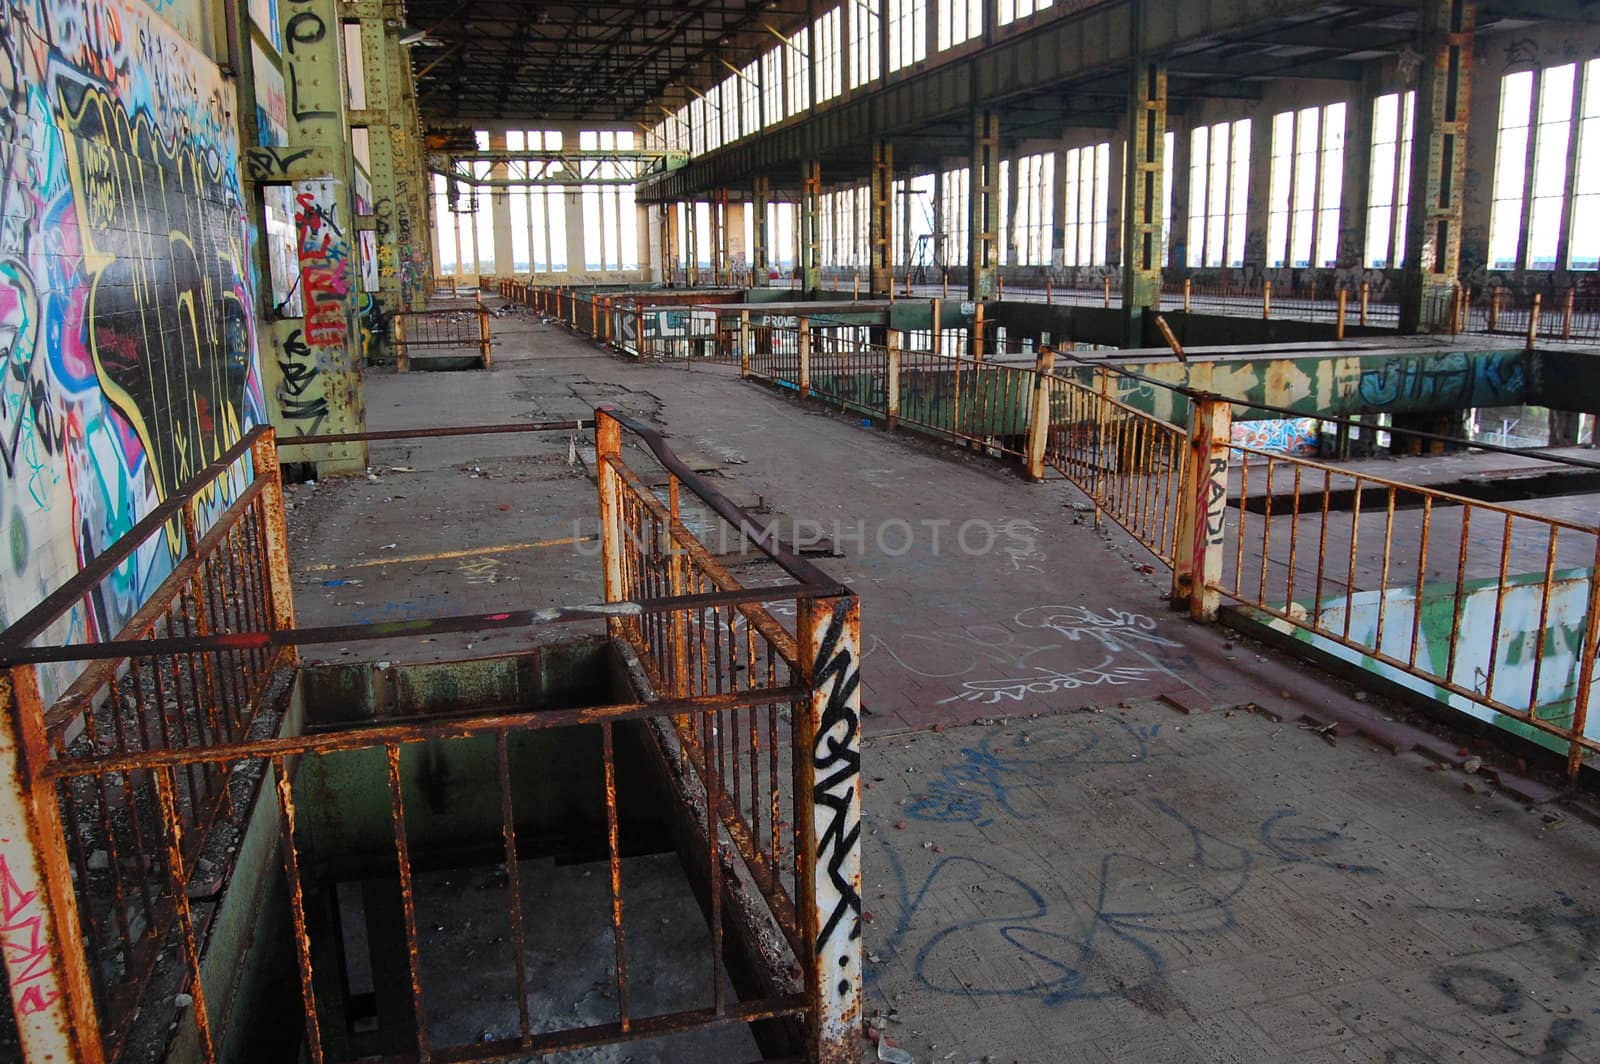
804, 530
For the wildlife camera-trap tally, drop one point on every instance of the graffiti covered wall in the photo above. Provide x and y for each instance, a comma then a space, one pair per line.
127, 321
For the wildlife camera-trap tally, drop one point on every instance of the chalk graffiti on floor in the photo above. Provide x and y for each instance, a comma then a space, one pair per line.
988, 780
1105, 947
1049, 681
958, 652
1564, 945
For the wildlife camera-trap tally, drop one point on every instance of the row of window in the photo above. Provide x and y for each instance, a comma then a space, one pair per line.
779, 84
1546, 190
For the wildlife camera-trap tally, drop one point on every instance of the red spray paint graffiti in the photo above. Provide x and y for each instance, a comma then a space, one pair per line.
22, 939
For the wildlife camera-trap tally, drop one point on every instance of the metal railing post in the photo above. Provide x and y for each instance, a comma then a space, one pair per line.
1203, 508
264, 459
1567, 313
1107, 286
1188, 289
608, 449
1588, 664
1533, 321
804, 344
892, 395
1494, 307
1049, 290
1039, 415
827, 762
1266, 300
1366, 300
484, 355
51, 994
977, 331
744, 343
1344, 300
402, 357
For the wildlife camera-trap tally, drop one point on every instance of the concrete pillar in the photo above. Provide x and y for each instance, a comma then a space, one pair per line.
983, 207
500, 208
761, 201
577, 250
881, 220
1176, 253
1142, 198
1357, 191
1438, 164
810, 226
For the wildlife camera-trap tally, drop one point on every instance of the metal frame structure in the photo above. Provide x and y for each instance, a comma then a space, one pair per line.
115, 797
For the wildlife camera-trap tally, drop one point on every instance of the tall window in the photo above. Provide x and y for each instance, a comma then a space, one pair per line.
959, 21
1585, 250
1537, 115
1219, 185
1084, 231
1011, 10
913, 219
730, 109
799, 71
908, 32
750, 99
772, 84
1036, 176
953, 217
1307, 179
1169, 142
781, 235
1392, 117
825, 32
610, 219
866, 37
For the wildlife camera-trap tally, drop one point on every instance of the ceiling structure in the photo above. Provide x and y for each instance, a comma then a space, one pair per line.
605, 60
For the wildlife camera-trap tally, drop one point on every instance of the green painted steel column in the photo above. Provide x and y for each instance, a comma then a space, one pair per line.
313, 374
811, 225
1143, 177
1438, 165
983, 207
881, 220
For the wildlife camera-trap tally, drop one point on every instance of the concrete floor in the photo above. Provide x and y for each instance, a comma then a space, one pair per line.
1068, 868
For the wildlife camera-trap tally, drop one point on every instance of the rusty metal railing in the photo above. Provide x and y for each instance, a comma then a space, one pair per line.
1494, 607
1321, 551
442, 331
124, 799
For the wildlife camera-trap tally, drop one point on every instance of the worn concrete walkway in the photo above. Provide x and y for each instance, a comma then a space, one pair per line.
1060, 865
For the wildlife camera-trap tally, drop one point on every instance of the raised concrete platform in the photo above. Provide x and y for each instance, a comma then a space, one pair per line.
1093, 874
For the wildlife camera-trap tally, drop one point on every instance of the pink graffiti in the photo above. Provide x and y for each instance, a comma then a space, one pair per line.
22, 940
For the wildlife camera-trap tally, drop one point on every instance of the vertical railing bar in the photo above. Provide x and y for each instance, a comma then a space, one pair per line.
408, 901
165, 785
508, 828
1500, 606
1461, 579
1322, 548
1383, 580
619, 933
1544, 620
1350, 571
297, 908
1422, 577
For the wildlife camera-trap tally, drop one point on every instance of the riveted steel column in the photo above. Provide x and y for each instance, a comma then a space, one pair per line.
761, 202
1438, 165
983, 207
691, 241
313, 376
390, 157
811, 225
669, 243
1142, 193
881, 222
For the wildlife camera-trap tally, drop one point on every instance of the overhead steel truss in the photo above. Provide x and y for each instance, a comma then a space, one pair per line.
507, 169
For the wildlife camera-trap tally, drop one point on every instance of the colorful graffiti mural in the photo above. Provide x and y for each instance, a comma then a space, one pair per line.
1299, 436
127, 330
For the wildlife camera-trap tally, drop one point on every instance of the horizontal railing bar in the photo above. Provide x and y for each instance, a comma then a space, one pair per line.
362, 738
52, 606
465, 622
570, 424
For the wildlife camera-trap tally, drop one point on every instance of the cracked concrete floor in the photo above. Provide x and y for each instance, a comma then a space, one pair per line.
1088, 874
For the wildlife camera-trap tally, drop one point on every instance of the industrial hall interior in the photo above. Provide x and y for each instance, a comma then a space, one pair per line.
828, 531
